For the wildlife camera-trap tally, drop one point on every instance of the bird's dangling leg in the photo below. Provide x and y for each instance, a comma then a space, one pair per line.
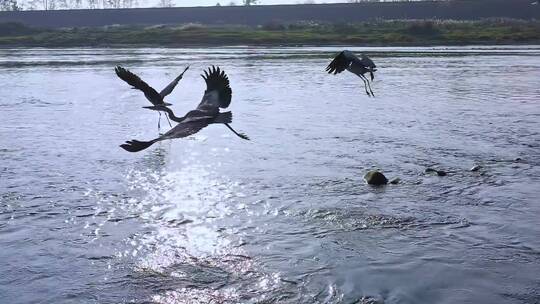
167, 116
241, 135
159, 123
365, 85
369, 86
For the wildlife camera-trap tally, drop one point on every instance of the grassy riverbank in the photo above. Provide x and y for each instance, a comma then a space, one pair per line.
430, 32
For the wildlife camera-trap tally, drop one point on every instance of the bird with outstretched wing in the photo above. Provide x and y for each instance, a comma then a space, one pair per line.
157, 99
218, 95
346, 60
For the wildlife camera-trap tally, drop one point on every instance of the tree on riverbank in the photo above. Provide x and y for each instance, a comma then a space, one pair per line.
9, 5
15, 5
166, 3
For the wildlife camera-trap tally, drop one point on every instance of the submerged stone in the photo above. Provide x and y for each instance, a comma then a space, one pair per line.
476, 168
441, 173
438, 172
375, 178
395, 181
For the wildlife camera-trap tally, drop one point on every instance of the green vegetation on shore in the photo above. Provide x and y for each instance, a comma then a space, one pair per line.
396, 32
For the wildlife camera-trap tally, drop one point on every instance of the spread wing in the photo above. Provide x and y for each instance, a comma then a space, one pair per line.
341, 62
168, 89
136, 82
185, 129
218, 92
182, 129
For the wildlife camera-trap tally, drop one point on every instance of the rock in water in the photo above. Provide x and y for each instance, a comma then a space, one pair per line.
375, 178
476, 168
438, 172
441, 173
395, 181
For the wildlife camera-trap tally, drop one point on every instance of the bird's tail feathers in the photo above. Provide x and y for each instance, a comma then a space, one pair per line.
225, 117
136, 146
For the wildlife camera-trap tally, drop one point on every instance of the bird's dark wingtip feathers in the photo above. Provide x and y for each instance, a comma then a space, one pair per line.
217, 79
126, 147
338, 64
136, 145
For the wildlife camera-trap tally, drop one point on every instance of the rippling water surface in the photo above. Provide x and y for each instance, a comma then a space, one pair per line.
286, 217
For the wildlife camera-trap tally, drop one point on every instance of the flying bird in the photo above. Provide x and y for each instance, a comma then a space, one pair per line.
218, 95
182, 119
346, 60
157, 99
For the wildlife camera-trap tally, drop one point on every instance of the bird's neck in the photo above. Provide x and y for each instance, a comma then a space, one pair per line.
174, 117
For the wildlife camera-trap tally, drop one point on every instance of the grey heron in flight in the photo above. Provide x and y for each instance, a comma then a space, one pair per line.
346, 60
157, 99
218, 95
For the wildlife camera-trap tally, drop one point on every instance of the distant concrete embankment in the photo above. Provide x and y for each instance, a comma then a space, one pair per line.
259, 15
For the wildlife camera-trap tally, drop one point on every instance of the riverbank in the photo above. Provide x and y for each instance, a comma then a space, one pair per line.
388, 33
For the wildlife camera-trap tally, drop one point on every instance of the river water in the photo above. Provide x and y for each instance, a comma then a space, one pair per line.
285, 217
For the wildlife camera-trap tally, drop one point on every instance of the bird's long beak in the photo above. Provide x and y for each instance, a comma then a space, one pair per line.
155, 108
185, 70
